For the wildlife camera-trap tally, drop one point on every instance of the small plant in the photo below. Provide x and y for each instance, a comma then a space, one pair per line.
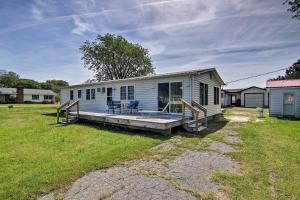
10, 106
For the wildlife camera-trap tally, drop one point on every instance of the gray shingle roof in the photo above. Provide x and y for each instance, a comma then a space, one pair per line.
27, 91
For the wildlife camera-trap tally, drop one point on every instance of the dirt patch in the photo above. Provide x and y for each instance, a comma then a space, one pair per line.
221, 147
232, 139
272, 179
164, 147
237, 118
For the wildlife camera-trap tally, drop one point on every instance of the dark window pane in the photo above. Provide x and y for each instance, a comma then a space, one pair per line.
88, 94
93, 93
131, 92
79, 94
123, 93
71, 94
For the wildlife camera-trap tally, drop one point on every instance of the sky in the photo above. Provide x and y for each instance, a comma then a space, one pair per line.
40, 39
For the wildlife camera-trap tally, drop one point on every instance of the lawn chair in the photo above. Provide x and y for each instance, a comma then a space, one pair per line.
133, 105
114, 105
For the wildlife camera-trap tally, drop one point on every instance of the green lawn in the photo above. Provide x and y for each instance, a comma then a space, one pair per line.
270, 157
37, 156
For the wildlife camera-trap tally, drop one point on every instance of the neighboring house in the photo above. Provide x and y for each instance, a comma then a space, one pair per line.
250, 97
26, 95
284, 97
153, 92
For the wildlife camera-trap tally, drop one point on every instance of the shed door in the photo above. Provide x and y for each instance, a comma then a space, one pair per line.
254, 100
289, 104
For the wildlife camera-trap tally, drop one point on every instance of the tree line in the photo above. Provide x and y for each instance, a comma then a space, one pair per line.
13, 80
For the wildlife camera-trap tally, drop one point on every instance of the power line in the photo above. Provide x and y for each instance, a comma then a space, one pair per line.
254, 76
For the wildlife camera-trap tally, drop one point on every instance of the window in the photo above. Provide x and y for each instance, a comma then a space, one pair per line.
48, 97
222, 95
176, 96
216, 95
130, 92
93, 94
123, 92
289, 99
71, 95
79, 94
203, 94
88, 94
35, 97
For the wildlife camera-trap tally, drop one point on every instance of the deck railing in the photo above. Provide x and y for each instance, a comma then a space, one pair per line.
195, 112
204, 110
67, 103
68, 109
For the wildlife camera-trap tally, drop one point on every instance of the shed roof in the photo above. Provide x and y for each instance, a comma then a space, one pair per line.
196, 71
13, 91
283, 83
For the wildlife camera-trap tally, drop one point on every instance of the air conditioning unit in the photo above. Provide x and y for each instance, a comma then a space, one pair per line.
103, 89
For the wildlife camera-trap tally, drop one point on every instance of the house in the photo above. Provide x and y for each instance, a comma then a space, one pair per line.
20, 95
250, 97
284, 97
154, 93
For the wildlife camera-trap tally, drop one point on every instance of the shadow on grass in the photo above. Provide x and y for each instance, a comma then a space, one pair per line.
213, 126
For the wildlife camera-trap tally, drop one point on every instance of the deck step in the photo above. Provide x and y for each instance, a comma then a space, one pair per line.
191, 128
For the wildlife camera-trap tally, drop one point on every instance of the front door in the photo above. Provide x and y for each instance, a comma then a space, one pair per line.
163, 95
109, 95
289, 104
233, 100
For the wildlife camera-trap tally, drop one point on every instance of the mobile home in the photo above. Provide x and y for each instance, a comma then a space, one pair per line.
154, 93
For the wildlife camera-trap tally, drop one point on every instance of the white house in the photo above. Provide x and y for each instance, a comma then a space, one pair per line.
250, 97
153, 92
26, 95
284, 98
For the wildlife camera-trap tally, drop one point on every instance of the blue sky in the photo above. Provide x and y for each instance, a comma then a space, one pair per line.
39, 39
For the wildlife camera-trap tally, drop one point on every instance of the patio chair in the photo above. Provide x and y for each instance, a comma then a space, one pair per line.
133, 105
114, 105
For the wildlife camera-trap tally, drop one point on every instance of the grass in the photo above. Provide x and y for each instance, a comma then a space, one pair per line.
37, 156
270, 158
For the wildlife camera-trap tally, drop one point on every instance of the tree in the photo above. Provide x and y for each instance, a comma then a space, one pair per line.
294, 7
54, 85
292, 72
9, 80
112, 57
29, 83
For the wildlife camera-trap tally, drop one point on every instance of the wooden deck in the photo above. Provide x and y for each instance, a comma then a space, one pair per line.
149, 121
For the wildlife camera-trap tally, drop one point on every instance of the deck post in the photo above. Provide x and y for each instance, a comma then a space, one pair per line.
205, 119
78, 109
196, 118
183, 111
57, 115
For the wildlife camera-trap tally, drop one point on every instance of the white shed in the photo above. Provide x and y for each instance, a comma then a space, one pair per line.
284, 98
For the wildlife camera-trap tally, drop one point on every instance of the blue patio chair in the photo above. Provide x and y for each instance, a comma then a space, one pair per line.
133, 105
114, 105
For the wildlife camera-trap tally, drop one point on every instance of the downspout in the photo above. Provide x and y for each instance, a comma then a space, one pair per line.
191, 88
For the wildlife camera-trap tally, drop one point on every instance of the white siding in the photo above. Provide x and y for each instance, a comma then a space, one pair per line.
254, 90
276, 100
146, 92
211, 82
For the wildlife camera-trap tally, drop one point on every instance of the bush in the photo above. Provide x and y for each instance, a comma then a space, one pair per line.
12, 100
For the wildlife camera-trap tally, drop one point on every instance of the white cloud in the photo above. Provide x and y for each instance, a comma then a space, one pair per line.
82, 27
37, 13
